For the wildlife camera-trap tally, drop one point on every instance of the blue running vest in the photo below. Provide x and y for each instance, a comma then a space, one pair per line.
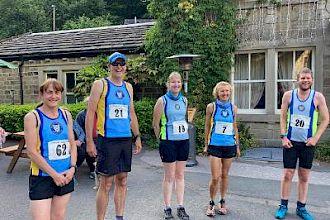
113, 111
302, 117
174, 125
53, 142
222, 125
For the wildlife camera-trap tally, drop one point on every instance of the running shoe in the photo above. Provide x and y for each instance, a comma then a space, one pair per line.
281, 212
181, 212
168, 214
302, 213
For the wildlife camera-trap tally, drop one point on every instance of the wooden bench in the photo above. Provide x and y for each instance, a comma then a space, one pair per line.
10, 151
16, 151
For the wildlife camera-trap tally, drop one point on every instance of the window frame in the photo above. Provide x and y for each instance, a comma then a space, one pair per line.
249, 111
66, 93
278, 111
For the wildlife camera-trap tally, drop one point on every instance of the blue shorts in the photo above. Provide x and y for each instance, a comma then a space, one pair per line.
171, 151
114, 155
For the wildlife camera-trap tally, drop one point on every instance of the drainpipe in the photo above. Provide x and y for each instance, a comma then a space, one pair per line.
20, 74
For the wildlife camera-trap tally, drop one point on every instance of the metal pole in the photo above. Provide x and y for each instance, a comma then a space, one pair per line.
54, 26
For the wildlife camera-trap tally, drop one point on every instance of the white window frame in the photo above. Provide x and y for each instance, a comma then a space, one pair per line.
278, 111
249, 111
65, 83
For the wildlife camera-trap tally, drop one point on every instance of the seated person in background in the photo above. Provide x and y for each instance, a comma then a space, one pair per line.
2, 136
80, 120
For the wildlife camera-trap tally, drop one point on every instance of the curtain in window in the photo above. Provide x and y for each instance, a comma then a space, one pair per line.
241, 73
257, 73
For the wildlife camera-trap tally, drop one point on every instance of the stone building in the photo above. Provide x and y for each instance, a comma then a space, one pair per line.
61, 54
276, 39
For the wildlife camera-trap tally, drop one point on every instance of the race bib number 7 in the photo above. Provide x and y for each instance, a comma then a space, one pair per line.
180, 127
58, 150
118, 111
225, 128
300, 121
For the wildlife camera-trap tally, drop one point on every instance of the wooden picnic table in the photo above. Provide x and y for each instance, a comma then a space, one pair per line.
16, 151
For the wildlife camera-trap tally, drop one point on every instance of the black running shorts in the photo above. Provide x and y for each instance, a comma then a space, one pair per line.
114, 155
222, 151
171, 151
44, 187
300, 151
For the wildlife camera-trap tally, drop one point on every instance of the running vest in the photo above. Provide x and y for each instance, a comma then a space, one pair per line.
173, 121
302, 117
222, 125
52, 142
113, 111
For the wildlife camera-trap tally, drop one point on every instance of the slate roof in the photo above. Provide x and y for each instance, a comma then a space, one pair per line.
79, 42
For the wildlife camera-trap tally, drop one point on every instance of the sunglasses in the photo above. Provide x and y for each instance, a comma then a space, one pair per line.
118, 63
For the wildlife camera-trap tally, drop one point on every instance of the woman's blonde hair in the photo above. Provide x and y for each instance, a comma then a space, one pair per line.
217, 87
54, 82
173, 74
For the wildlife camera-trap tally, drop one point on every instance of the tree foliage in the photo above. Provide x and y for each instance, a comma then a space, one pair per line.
205, 27
86, 22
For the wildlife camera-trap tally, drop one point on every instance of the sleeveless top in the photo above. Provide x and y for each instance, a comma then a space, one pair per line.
113, 111
302, 117
52, 142
174, 125
222, 125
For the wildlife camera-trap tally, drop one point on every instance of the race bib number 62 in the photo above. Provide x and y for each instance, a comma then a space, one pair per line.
58, 150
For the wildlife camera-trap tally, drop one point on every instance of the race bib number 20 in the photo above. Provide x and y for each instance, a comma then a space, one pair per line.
58, 150
300, 121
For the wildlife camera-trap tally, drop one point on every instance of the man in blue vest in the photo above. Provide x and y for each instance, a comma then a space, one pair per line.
300, 134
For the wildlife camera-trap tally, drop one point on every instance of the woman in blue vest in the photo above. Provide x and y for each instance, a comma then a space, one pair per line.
51, 147
171, 128
221, 143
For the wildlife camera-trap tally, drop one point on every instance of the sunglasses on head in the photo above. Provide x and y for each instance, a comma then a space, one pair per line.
118, 63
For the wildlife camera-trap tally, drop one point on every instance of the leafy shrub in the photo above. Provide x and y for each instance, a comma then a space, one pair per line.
323, 151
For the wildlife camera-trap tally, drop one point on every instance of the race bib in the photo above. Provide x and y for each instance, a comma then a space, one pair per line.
117, 111
225, 128
58, 150
300, 121
180, 127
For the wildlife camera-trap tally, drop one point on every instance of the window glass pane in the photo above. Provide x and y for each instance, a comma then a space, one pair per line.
285, 65
241, 67
70, 98
303, 59
257, 66
258, 95
242, 95
282, 87
70, 82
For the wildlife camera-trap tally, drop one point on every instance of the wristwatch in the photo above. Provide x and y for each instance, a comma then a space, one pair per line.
75, 168
136, 137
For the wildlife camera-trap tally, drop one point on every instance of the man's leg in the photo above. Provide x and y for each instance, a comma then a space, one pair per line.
303, 178
102, 196
286, 183
120, 193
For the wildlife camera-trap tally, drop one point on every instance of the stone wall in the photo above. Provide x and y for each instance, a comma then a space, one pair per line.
34, 73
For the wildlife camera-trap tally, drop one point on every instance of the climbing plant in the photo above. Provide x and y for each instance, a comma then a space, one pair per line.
205, 27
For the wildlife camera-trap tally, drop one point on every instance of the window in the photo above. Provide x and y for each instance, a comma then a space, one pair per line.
52, 74
289, 63
249, 82
70, 83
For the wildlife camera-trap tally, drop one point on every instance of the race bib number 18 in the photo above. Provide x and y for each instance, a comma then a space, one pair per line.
180, 127
58, 150
118, 111
225, 128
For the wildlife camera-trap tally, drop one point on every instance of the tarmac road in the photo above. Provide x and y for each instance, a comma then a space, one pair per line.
253, 191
